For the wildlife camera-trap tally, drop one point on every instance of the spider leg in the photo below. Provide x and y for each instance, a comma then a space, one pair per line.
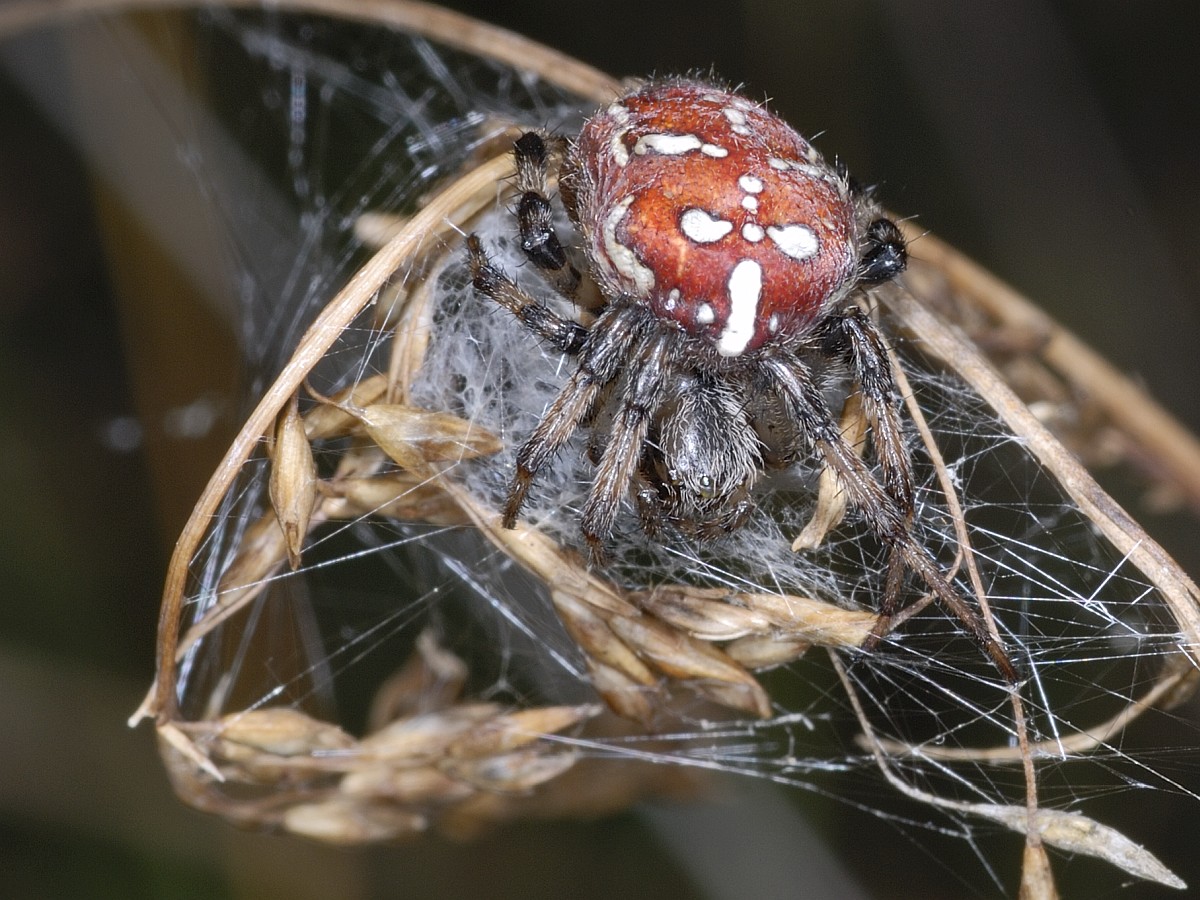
644, 386
600, 360
538, 238
850, 334
882, 513
562, 334
853, 336
889, 605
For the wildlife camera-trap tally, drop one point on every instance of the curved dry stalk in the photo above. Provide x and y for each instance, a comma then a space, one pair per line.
1068, 831
1035, 853
1173, 449
433, 22
466, 197
943, 342
1165, 691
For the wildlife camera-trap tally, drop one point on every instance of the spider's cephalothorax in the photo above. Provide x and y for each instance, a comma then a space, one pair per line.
728, 255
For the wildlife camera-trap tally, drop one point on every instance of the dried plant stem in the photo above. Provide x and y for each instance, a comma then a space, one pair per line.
1078, 744
1035, 853
446, 26
1174, 449
464, 198
1126, 535
1068, 831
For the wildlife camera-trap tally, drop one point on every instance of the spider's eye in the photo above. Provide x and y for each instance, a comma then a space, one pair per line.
886, 254
705, 486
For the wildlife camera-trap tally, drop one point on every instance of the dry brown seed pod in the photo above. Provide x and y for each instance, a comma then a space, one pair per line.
813, 620
423, 738
766, 651
262, 548
422, 785
414, 438
513, 773
590, 629
293, 483
332, 419
517, 729
1037, 878
704, 614
282, 731
627, 697
396, 495
681, 657
348, 821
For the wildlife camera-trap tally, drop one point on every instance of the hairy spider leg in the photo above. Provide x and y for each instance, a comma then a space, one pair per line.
539, 242
851, 335
642, 395
881, 512
602, 351
565, 335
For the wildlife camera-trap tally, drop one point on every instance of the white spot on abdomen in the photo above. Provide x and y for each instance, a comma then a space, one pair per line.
752, 232
797, 241
623, 260
703, 228
667, 144
745, 288
616, 146
750, 184
736, 119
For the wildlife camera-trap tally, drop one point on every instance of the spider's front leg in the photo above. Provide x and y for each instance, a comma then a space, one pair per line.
562, 334
617, 332
851, 334
641, 394
577, 399
602, 353
890, 524
532, 153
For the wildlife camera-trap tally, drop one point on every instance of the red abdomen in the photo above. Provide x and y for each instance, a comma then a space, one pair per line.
714, 212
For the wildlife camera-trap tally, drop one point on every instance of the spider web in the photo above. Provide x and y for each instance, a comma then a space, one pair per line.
296, 128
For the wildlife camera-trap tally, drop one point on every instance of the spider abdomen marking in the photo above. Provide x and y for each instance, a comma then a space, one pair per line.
714, 213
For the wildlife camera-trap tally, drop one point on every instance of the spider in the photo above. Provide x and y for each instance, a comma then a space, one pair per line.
729, 257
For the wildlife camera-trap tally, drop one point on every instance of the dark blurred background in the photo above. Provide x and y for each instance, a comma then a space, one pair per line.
1053, 141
